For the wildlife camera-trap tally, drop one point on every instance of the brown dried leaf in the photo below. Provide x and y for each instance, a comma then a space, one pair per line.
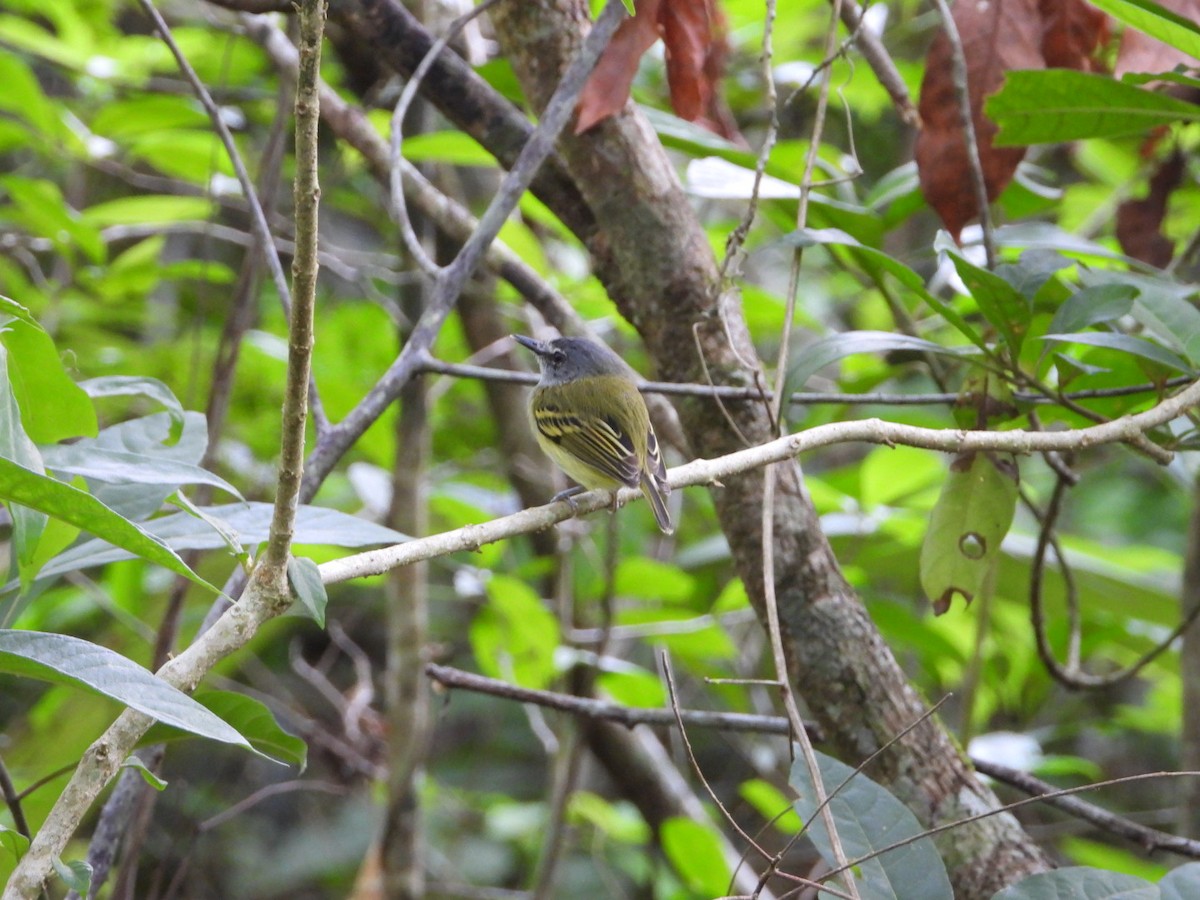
1072, 34
608, 86
693, 33
997, 35
1139, 222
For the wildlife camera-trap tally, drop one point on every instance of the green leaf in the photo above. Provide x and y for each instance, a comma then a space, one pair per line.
253, 720
76, 874
1174, 321
23, 97
450, 147
136, 386
28, 525
53, 406
248, 522
651, 579
618, 820
1182, 883
1080, 883
772, 805
305, 579
514, 636
120, 467
877, 263
149, 777
1092, 305
121, 118
819, 354
13, 842
39, 206
148, 209
1049, 106
695, 852
1125, 344
868, 818
28, 488
1001, 303
61, 659
967, 525
1156, 21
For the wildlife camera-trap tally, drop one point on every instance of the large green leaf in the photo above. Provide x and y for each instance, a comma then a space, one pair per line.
28, 525
829, 349
1125, 343
695, 852
62, 659
515, 636
868, 818
1001, 303
1080, 883
53, 406
1048, 106
1182, 883
878, 263
62, 501
1145, 15
967, 525
248, 522
252, 719
121, 467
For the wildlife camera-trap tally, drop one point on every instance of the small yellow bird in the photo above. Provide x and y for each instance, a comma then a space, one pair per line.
591, 420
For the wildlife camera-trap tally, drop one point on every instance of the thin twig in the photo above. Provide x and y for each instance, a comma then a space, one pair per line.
450, 281
13, 801
778, 725
1069, 675
875, 431
589, 708
258, 218
1150, 839
397, 207
958, 72
806, 398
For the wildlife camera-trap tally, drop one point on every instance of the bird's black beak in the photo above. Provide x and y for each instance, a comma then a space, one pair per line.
538, 347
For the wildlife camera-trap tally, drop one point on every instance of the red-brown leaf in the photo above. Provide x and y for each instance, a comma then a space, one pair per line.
1139, 222
997, 35
608, 86
693, 33
1072, 34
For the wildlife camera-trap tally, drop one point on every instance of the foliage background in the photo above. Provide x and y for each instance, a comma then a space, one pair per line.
124, 236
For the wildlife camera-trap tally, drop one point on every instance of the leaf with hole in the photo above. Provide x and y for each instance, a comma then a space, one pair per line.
969, 521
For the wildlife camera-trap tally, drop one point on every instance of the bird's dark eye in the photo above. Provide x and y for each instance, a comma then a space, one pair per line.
558, 356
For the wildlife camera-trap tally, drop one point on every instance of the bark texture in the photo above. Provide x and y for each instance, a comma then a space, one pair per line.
659, 268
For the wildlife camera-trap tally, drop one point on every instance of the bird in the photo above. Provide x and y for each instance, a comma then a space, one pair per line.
591, 420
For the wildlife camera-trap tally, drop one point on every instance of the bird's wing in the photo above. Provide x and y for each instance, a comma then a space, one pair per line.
598, 442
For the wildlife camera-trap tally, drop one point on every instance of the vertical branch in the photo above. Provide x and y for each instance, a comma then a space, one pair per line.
267, 594
1189, 663
978, 184
782, 672
304, 291
406, 696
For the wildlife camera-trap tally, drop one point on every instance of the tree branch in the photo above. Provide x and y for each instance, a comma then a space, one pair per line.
703, 471
449, 283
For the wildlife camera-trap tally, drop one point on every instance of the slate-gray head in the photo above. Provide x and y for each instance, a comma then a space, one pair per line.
566, 358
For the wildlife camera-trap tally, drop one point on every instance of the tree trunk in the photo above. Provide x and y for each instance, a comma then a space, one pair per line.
659, 269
